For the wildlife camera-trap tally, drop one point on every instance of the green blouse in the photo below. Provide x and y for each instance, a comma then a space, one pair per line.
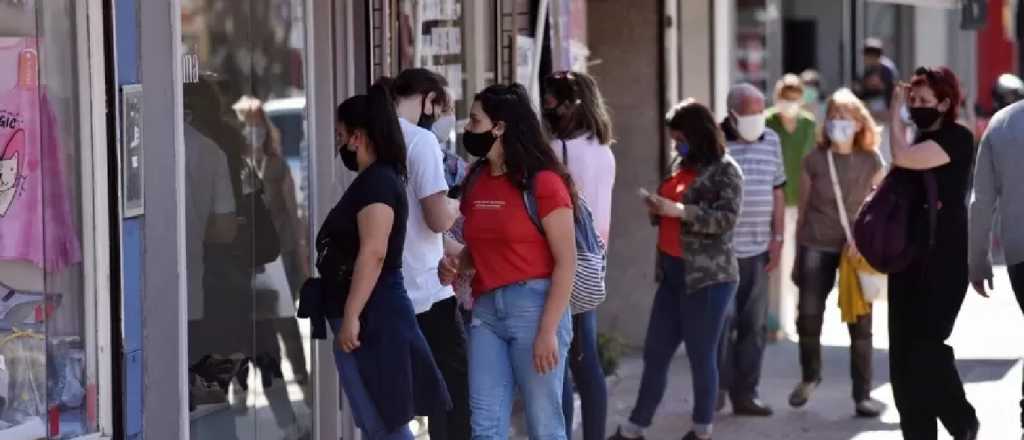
795, 145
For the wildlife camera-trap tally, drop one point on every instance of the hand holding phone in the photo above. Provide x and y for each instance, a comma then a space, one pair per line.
643, 192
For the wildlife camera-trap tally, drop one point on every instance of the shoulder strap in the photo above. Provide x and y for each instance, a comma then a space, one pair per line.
530, 201
565, 153
840, 205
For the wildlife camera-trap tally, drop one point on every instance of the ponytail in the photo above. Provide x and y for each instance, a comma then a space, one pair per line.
375, 113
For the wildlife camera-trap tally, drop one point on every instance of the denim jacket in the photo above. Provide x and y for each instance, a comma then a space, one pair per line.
712, 205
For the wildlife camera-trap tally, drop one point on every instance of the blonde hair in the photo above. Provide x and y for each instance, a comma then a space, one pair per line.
867, 137
789, 83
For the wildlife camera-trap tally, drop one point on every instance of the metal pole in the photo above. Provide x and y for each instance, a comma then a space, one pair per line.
538, 46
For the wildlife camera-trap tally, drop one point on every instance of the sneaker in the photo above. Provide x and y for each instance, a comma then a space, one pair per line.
618, 436
869, 408
751, 407
802, 393
693, 436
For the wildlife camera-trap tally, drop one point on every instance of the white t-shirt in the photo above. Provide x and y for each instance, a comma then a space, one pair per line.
209, 193
592, 167
423, 247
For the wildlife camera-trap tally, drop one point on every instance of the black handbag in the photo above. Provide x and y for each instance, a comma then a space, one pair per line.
257, 225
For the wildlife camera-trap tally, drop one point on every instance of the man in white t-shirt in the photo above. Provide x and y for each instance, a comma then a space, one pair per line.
210, 209
420, 98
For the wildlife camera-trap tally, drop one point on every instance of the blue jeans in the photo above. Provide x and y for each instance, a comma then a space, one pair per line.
741, 350
501, 338
585, 366
677, 316
363, 410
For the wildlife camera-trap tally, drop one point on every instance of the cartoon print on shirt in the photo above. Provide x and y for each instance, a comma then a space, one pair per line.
10, 173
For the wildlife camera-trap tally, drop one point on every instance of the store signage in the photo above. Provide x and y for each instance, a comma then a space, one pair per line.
189, 68
132, 169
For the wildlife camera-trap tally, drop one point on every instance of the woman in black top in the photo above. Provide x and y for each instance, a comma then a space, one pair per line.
925, 299
383, 360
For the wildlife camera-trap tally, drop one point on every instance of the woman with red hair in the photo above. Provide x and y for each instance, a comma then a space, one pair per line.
925, 298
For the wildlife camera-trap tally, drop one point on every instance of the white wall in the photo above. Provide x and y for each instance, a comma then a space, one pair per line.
931, 42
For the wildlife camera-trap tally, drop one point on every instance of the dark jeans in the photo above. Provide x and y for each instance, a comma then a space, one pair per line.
741, 349
442, 327
588, 376
680, 316
817, 274
925, 382
1017, 280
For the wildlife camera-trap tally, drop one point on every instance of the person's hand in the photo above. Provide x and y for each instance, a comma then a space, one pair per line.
979, 286
448, 269
852, 251
774, 256
663, 207
545, 352
348, 336
899, 97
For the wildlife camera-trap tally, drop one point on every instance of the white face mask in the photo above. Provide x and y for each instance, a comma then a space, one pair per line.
443, 128
788, 108
256, 135
841, 131
750, 127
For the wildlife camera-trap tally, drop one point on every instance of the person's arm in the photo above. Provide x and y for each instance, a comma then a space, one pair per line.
921, 156
374, 223
983, 206
717, 217
778, 229
222, 224
560, 232
439, 211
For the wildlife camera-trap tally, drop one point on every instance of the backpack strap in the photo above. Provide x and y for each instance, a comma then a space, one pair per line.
565, 153
530, 201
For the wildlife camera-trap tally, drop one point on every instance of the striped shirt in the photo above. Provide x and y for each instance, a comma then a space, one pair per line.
763, 171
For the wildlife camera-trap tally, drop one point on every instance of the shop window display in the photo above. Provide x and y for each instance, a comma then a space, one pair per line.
48, 383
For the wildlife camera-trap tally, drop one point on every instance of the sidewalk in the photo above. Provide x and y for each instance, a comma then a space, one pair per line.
987, 341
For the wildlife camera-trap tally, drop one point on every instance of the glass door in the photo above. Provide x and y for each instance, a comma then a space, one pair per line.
246, 218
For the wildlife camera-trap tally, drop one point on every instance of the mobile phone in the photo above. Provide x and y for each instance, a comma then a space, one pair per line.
643, 192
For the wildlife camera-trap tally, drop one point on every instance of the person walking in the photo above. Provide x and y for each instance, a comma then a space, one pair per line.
383, 360
582, 130
925, 298
758, 245
998, 193
420, 100
849, 145
797, 130
521, 328
696, 210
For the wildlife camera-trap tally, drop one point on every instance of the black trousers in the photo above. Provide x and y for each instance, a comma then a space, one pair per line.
1017, 280
923, 306
817, 273
442, 326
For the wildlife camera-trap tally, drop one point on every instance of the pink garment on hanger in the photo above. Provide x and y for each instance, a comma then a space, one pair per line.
35, 205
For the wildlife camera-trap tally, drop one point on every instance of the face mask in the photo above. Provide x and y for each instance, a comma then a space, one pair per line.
750, 127
924, 117
348, 157
682, 148
478, 144
255, 134
789, 108
443, 128
841, 131
810, 95
426, 121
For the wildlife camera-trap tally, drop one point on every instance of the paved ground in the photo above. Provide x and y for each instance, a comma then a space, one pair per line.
988, 342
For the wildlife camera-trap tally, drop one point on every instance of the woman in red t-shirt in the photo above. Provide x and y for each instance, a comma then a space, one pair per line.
521, 329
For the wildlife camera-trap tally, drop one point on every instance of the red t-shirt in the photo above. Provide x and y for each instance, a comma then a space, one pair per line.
670, 229
505, 245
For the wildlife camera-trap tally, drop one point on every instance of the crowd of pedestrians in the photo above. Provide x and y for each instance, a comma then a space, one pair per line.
418, 219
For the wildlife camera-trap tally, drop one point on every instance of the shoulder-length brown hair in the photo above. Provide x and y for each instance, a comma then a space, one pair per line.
697, 123
868, 137
589, 113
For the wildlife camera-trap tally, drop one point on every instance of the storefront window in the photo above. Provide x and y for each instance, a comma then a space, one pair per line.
48, 359
751, 43
246, 218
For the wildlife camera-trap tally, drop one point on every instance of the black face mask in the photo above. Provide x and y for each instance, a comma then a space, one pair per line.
478, 144
426, 121
348, 157
924, 117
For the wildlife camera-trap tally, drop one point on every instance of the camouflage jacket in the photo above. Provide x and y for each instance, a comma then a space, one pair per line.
712, 204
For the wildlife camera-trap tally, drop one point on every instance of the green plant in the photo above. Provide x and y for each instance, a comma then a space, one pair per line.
609, 350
